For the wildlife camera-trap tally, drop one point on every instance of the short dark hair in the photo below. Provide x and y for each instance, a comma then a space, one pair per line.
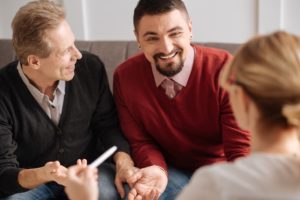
155, 7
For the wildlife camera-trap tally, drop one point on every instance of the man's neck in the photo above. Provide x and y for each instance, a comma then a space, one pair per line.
41, 83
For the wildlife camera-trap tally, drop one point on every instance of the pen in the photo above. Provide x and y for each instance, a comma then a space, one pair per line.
103, 157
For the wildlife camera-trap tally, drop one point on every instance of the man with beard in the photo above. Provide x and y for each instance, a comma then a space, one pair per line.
171, 107
56, 108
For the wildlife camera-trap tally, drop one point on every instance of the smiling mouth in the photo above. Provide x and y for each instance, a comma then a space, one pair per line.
162, 56
165, 57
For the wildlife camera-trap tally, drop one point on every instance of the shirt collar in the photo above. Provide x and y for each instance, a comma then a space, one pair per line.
39, 96
183, 76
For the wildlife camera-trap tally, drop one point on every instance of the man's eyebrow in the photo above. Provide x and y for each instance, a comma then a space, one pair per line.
175, 29
151, 33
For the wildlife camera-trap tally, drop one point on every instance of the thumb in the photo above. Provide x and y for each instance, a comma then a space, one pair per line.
134, 178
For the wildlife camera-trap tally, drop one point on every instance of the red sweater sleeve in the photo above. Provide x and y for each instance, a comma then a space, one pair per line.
145, 151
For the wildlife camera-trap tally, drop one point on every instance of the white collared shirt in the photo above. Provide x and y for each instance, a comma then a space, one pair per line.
52, 108
183, 76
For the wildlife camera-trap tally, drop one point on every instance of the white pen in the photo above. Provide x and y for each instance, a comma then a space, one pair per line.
103, 157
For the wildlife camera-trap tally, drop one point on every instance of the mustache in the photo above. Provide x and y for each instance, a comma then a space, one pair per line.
157, 55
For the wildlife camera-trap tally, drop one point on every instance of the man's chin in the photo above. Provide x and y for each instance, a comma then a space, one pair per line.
169, 71
69, 77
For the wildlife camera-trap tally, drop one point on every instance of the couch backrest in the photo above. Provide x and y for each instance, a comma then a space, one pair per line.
112, 53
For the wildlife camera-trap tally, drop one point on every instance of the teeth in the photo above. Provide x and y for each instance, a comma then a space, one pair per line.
168, 56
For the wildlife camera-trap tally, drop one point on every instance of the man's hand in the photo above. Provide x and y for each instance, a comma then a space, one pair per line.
124, 171
54, 171
150, 183
51, 171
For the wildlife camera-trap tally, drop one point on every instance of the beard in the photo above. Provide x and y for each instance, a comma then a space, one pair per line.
172, 68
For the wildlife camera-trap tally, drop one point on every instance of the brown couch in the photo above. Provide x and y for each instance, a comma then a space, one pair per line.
111, 53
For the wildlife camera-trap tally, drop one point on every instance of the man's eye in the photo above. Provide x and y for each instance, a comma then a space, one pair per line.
68, 50
176, 34
149, 39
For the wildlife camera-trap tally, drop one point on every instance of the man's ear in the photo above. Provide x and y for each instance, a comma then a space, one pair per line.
137, 38
190, 25
33, 61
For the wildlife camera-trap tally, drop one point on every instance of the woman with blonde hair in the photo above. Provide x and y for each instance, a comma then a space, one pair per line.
263, 82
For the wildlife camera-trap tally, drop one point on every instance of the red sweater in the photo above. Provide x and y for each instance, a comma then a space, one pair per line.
195, 128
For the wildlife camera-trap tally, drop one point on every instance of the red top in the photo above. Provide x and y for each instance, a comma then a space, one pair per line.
193, 129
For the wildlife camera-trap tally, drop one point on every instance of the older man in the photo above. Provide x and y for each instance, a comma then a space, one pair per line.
54, 110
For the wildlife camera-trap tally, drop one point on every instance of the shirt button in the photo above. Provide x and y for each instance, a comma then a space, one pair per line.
59, 132
61, 150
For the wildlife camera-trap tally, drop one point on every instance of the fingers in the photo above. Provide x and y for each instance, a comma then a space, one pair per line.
82, 162
81, 184
79, 169
134, 178
79, 162
76, 174
150, 195
54, 171
52, 166
132, 194
139, 197
157, 195
120, 187
154, 194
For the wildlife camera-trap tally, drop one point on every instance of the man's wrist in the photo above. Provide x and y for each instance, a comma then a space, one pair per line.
30, 178
121, 158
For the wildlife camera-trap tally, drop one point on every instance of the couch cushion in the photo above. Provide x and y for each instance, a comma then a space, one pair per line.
7, 53
112, 53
